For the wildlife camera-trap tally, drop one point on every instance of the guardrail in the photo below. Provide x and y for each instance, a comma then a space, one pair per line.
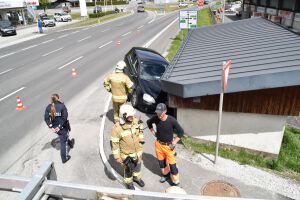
43, 185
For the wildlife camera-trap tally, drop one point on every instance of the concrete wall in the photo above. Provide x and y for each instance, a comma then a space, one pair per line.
252, 131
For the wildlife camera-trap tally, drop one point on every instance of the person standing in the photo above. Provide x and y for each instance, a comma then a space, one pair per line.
165, 143
127, 139
120, 85
56, 118
40, 25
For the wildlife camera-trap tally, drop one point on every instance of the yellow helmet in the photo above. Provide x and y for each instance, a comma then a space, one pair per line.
126, 111
120, 65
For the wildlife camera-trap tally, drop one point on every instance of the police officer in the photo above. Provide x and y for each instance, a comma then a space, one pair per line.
120, 85
56, 118
165, 143
127, 141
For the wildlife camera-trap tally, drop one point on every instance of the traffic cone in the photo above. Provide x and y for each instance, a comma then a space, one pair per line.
19, 104
73, 72
118, 43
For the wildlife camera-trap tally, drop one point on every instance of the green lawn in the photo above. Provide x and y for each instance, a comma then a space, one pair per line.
167, 8
92, 21
287, 164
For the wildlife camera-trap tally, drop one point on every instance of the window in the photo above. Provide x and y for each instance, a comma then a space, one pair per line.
288, 4
152, 70
274, 3
134, 62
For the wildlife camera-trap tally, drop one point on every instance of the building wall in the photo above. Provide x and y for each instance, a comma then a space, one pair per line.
257, 132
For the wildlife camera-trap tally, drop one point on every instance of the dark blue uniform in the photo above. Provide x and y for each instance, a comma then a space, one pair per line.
61, 117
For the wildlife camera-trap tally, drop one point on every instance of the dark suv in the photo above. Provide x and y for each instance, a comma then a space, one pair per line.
97, 9
6, 28
145, 68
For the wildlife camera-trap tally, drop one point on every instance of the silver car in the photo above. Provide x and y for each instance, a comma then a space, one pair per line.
62, 17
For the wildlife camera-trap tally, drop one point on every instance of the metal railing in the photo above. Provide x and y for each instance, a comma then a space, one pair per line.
43, 185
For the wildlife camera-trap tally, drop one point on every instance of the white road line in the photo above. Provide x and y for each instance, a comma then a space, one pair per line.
63, 36
105, 44
7, 54
157, 35
84, 38
29, 47
5, 71
140, 27
85, 29
104, 30
52, 51
151, 21
12, 93
47, 41
70, 62
75, 32
126, 34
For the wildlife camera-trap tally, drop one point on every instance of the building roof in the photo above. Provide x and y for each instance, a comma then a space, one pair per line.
264, 55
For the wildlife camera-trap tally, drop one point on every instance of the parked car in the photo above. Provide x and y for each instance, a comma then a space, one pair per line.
140, 8
182, 4
97, 9
6, 28
47, 21
145, 68
63, 17
206, 1
117, 10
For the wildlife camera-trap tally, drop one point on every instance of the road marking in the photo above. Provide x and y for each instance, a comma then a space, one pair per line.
85, 29
157, 35
126, 33
5, 71
52, 51
63, 36
70, 62
105, 30
75, 32
105, 44
12, 93
140, 27
151, 21
47, 41
7, 54
84, 38
29, 47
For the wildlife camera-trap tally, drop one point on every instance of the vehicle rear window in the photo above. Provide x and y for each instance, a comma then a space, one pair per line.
152, 70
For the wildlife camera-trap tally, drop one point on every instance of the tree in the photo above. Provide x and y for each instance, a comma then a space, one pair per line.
44, 4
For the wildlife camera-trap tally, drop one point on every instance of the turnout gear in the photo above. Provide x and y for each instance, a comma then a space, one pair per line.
126, 111
125, 143
120, 85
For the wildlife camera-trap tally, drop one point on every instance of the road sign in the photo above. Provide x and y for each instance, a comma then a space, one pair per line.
200, 4
188, 19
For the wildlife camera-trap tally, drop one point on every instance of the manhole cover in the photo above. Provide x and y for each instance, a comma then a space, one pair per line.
220, 189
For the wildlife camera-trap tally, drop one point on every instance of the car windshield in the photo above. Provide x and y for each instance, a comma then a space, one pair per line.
5, 24
45, 18
152, 70
64, 14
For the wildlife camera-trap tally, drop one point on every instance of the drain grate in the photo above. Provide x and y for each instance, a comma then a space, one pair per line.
220, 189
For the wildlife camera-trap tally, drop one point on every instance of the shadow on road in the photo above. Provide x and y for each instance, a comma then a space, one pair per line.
115, 166
151, 163
54, 144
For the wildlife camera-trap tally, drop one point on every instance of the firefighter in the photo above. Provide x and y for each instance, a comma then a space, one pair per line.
56, 118
165, 143
127, 139
120, 85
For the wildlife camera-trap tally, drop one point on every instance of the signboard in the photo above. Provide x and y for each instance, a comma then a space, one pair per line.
260, 9
252, 8
32, 2
297, 17
271, 11
286, 14
188, 19
200, 4
18, 3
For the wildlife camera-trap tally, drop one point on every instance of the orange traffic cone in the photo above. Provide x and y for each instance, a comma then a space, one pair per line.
119, 43
73, 72
19, 104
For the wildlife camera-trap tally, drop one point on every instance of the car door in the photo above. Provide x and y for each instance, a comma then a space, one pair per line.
132, 69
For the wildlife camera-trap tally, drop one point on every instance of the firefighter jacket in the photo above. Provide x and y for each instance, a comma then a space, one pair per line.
120, 85
127, 141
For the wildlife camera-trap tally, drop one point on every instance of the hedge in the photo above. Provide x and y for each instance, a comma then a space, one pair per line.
96, 15
108, 3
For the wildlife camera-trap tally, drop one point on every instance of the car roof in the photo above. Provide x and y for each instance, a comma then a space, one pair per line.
149, 54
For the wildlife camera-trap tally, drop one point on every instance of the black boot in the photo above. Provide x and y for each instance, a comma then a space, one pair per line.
140, 182
130, 186
164, 178
71, 143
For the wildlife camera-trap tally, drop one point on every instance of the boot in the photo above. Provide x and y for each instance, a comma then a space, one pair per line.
164, 178
71, 143
140, 182
130, 186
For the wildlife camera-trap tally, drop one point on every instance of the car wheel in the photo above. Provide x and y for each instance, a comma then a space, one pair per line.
134, 99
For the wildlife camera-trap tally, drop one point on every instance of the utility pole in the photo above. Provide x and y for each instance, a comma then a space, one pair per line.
223, 19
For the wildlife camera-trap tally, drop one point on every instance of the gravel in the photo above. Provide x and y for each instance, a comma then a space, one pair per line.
244, 173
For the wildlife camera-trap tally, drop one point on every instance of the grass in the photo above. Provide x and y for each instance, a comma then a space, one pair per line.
287, 164
75, 16
89, 22
204, 19
167, 8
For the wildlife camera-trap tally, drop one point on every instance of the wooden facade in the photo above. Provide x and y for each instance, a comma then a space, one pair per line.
275, 101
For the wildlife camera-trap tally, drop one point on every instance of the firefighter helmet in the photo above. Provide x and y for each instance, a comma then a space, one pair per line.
120, 65
175, 190
126, 111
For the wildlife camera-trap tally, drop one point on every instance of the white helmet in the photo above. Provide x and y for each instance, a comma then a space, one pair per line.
120, 65
126, 111
175, 190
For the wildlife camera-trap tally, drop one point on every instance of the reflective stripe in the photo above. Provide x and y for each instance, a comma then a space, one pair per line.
121, 97
125, 133
137, 174
130, 84
133, 155
114, 139
116, 151
128, 180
